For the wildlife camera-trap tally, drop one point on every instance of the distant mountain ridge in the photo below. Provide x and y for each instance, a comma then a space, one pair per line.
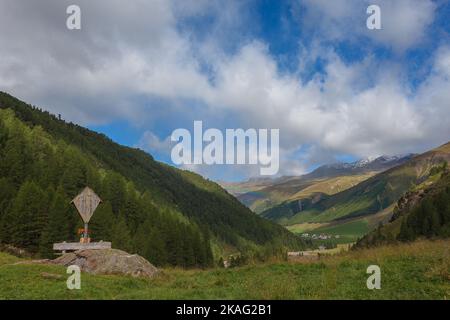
380, 163
260, 194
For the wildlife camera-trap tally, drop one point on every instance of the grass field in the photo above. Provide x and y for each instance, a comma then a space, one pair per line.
408, 271
349, 230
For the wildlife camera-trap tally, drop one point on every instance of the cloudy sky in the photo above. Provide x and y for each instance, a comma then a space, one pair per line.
138, 69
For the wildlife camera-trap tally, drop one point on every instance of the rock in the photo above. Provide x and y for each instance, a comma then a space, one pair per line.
108, 261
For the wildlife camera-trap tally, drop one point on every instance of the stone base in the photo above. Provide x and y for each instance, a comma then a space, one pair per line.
111, 261
75, 246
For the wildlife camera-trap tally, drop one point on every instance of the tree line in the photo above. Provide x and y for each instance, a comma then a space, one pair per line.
431, 218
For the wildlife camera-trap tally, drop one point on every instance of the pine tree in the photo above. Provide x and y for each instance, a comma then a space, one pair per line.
73, 179
101, 224
27, 217
7, 192
174, 243
131, 208
187, 247
445, 209
114, 190
120, 235
435, 223
149, 243
199, 250
425, 214
16, 160
156, 247
406, 233
58, 228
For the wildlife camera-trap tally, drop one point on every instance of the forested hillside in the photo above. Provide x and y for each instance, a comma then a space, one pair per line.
167, 215
422, 212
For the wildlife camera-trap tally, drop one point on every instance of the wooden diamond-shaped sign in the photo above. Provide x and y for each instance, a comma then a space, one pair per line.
86, 203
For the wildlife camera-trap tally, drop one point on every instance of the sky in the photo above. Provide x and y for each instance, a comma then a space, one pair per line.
337, 91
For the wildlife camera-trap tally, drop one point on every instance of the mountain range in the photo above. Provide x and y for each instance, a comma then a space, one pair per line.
259, 194
344, 199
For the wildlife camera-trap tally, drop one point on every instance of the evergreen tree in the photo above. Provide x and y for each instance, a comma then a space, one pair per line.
120, 235
149, 243
73, 179
58, 228
444, 206
187, 249
7, 192
406, 233
174, 243
102, 222
27, 217
115, 191
435, 223
16, 161
132, 209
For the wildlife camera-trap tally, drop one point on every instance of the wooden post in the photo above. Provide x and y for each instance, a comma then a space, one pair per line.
86, 236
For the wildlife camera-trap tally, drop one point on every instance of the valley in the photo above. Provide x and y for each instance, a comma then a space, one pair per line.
343, 202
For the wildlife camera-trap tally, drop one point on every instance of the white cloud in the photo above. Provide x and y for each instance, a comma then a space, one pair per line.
404, 22
134, 63
151, 142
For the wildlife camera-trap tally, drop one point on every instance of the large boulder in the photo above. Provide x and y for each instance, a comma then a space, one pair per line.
108, 261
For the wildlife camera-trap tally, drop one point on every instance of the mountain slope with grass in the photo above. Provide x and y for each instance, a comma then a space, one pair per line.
170, 216
263, 194
368, 197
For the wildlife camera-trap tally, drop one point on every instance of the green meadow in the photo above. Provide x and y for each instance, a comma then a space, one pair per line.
408, 271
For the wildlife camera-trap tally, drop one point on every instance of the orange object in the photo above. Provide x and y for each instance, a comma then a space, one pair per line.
85, 240
82, 231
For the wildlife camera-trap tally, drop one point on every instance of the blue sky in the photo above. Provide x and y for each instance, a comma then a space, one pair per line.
336, 90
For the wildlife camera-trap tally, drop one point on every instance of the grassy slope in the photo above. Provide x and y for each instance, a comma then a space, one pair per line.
264, 196
368, 197
409, 271
349, 230
331, 186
